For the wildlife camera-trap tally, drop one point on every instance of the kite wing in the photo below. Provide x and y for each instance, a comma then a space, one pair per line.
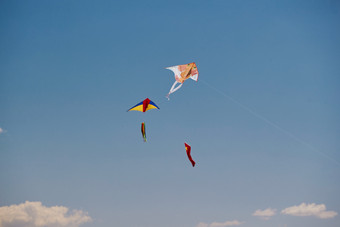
143, 131
144, 106
188, 149
175, 70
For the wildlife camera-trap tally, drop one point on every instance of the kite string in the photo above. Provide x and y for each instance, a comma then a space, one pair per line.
284, 131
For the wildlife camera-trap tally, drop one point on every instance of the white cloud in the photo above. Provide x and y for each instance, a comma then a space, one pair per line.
1, 130
220, 224
34, 214
311, 209
265, 214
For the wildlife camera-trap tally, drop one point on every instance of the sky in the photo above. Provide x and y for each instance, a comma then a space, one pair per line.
262, 119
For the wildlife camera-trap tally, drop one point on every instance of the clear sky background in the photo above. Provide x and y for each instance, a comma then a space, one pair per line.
69, 70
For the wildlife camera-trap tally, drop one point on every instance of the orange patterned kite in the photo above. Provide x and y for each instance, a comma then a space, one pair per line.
182, 73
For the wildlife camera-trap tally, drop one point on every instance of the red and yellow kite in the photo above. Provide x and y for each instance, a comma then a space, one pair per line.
144, 106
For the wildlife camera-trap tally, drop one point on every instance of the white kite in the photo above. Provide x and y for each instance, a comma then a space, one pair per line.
182, 73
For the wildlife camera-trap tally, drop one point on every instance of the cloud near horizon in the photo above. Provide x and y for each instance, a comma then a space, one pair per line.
34, 214
265, 214
311, 209
220, 224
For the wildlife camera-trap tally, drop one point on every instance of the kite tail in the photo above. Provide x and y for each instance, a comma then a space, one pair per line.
143, 131
174, 88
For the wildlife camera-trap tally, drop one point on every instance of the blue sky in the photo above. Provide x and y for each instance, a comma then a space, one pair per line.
69, 70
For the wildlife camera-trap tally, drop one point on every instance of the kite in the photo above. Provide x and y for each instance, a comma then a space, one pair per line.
143, 131
144, 106
182, 73
188, 149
